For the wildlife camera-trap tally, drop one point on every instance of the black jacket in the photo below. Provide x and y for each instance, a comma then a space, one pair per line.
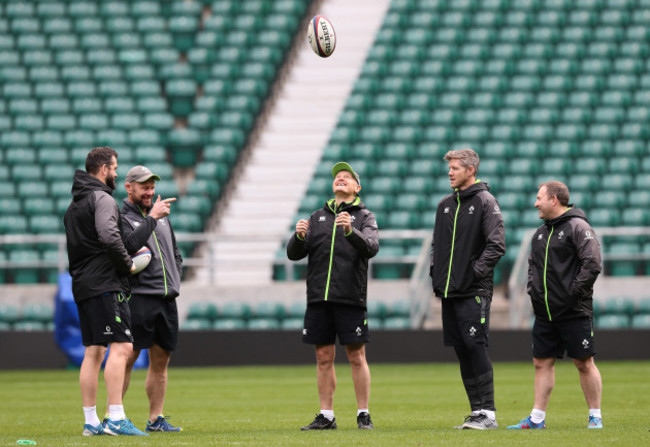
99, 263
338, 264
468, 241
162, 277
563, 265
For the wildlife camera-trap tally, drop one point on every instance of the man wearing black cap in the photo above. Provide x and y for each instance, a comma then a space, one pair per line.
338, 240
154, 315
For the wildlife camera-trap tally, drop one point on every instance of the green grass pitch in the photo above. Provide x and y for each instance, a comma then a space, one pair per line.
411, 405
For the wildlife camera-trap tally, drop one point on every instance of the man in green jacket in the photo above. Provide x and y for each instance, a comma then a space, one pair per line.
563, 265
338, 240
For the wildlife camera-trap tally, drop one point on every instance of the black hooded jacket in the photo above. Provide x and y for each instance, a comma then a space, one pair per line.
162, 277
563, 265
468, 241
338, 264
99, 263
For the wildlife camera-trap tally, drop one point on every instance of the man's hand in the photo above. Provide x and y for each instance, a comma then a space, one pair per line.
161, 208
301, 228
344, 220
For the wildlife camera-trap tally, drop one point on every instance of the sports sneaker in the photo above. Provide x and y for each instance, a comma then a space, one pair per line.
364, 422
90, 430
321, 423
467, 419
595, 422
122, 427
526, 424
160, 424
480, 422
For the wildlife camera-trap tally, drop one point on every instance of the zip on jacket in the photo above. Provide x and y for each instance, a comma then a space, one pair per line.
337, 268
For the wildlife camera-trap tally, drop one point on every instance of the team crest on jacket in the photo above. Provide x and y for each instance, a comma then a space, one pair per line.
471, 209
321, 219
496, 210
446, 211
560, 235
540, 236
588, 235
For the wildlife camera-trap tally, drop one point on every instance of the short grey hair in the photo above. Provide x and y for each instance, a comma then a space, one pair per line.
557, 189
468, 157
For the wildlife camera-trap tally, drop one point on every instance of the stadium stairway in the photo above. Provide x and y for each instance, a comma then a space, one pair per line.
283, 157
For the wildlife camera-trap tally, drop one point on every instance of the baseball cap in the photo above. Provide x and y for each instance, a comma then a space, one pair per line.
140, 174
343, 166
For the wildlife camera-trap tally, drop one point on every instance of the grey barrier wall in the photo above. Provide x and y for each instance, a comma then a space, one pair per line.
37, 350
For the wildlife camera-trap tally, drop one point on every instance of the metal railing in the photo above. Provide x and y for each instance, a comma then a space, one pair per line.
419, 284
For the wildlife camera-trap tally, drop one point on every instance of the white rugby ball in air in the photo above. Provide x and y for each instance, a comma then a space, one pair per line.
321, 36
141, 259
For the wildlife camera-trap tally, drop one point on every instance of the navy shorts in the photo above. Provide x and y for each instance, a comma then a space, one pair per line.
105, 319
554, 338
325, 321
153, 321
466, 321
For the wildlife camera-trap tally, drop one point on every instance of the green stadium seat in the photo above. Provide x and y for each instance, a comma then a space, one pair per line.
619, 305
613, 321
203, 310
9, 313
229, 324
37, 312
24, 275
196, 325
29, 326
235, 309
389, 270
623, 267
640, 321
263, 324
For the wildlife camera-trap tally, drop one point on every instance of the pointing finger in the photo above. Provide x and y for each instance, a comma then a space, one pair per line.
171, 199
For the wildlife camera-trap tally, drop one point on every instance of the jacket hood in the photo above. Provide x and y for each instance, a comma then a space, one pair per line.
571, 213
330, 205
475, 188
84, 184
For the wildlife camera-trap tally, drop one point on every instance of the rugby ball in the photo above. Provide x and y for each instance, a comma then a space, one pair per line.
321, 36
141, 259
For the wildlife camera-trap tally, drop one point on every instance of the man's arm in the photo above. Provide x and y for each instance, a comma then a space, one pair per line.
588, 254
495, 239
366, 239
135, 238
297, 245
107, 217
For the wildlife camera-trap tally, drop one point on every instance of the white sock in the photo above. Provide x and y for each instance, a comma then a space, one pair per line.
329, 414
489, 413
116, 412
90, 414
362, 410
476, 412
537, 415
595, 412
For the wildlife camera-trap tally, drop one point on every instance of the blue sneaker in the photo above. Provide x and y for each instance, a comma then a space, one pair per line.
526, 424
90, 430
122, 427
595, 422
160, 424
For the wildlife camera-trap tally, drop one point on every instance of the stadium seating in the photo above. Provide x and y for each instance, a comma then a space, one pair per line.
542, 92
132, 75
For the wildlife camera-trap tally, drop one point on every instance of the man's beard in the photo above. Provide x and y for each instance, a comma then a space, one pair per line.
140, 204
110, 182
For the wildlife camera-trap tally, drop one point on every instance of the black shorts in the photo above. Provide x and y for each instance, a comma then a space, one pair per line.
153, 320
105, 319
466, 321
554, 338
325, 321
